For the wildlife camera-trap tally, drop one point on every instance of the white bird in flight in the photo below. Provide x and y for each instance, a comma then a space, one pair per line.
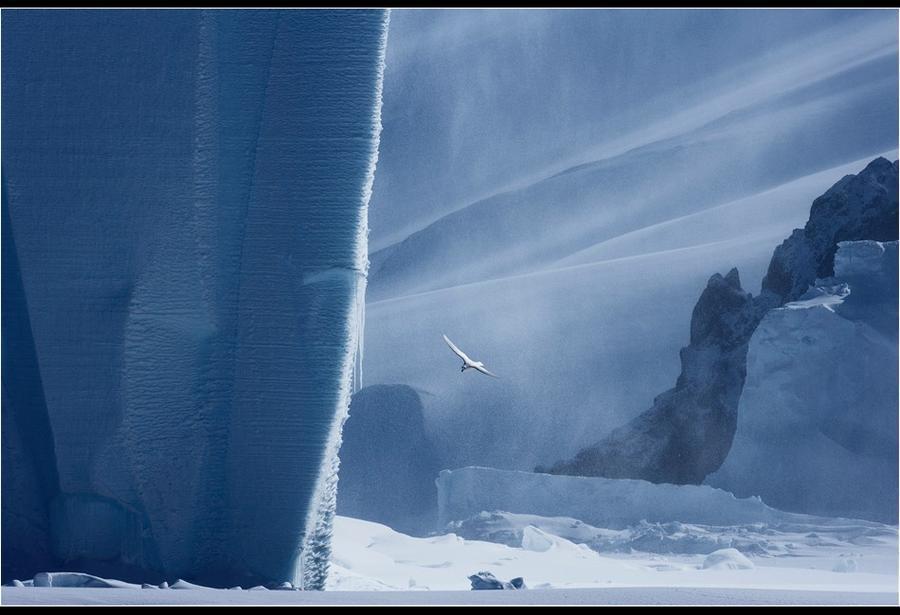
467, 362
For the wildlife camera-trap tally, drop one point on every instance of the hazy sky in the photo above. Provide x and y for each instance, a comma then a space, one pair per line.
629, 156
477, 101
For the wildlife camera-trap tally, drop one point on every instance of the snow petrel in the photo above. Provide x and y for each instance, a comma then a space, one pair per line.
467, 362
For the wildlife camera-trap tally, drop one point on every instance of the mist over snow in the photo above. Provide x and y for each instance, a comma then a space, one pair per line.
555, 188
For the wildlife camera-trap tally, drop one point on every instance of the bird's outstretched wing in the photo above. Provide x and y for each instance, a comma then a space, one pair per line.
485, 371
456, 350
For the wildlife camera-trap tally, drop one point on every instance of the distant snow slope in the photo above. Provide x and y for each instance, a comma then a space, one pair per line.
478, 102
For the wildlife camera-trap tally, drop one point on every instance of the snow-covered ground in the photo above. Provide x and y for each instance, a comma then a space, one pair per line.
616, 595
845, 557
842, 562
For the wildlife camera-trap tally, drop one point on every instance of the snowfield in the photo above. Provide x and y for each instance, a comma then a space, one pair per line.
369, 556
841, 563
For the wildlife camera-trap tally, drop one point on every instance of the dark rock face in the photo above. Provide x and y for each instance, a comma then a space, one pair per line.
388, 464
862, 206
689, 430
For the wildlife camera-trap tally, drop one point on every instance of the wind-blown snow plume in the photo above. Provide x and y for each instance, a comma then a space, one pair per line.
574, 204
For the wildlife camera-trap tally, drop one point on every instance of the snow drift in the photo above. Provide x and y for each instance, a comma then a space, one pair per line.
185, 193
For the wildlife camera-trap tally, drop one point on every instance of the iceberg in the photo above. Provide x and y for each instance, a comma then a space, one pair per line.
817, 422
184, 239
601, 502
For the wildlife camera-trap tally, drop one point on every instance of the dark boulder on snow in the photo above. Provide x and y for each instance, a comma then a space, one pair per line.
486, 580
688, 432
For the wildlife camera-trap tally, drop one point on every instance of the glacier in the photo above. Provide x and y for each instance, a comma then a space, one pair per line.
184, 267
817, 422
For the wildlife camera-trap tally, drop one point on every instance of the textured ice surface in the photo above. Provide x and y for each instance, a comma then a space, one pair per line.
800, 536
186, 193
817, 421
727, 559
602, 502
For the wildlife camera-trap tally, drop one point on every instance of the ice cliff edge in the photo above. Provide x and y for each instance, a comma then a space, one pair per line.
184, 262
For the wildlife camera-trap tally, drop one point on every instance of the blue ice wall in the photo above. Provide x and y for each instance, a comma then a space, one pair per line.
187, 192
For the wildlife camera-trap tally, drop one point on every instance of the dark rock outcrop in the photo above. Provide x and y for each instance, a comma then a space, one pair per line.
388, 464
689, 430
862, 206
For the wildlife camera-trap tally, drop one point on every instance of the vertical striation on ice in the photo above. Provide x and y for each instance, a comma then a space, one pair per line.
188, 192
313, 571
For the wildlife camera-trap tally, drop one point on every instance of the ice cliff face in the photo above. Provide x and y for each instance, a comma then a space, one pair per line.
689, 430
817, 421
602, 502
388, 462
184, 265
